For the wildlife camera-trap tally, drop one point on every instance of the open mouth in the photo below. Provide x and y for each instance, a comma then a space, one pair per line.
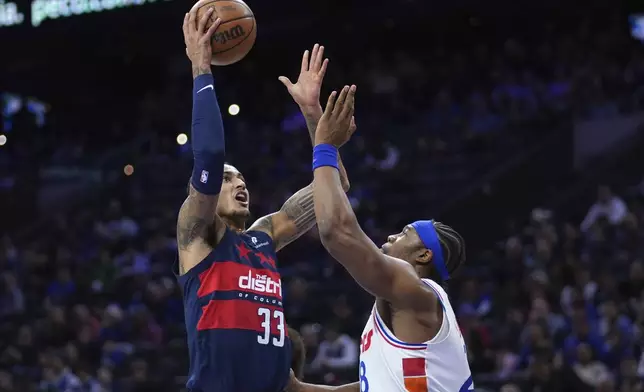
242, 198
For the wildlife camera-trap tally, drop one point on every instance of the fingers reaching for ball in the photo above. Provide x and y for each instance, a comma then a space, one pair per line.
197, 35
211, 30
201, 26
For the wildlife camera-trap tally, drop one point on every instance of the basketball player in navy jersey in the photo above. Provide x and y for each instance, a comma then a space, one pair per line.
237, 335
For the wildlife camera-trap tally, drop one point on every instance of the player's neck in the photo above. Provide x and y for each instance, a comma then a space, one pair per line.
237, 225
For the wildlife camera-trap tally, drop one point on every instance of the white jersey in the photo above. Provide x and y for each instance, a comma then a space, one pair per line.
438, 365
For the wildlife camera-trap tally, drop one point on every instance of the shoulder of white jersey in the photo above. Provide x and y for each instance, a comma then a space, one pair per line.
441, 295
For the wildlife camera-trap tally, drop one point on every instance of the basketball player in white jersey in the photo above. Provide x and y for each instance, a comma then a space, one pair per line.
412, 341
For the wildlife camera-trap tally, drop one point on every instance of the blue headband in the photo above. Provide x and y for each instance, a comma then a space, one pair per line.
428, 235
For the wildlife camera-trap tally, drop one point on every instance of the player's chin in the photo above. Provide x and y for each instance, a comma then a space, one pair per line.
241, 210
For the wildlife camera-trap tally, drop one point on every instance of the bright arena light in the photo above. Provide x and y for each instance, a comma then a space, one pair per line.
182, 139
3, 140
233, 110
128, 170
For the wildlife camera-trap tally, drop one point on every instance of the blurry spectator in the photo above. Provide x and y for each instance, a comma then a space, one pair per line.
62, 288
478, 340
336, 352
628, 378
541, 314
582, 292
139, 379
474, 300
115, 225
12, 300
590, 371
608, 206
6, 382
58, 377
510, 388
89, 383
582, 332
534, 336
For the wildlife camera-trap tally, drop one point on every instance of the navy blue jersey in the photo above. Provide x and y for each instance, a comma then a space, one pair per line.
237, 335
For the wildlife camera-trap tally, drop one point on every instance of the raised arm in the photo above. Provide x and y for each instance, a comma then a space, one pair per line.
306, 93
385, 277
197, 218
297, 216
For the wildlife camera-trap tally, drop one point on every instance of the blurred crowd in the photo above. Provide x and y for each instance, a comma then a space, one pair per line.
88, 300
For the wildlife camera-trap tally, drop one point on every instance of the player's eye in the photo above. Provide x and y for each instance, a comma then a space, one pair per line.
227, 178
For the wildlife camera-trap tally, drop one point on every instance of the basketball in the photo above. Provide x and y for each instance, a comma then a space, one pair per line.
236, 35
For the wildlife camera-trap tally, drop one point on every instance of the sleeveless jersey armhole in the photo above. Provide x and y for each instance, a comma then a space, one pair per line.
201, 265
444, 330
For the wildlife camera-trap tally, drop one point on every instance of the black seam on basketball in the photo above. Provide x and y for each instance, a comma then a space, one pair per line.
214, 15
236, 19
240, 42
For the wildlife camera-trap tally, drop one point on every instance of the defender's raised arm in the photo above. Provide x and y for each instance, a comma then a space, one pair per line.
297, 215
383, 276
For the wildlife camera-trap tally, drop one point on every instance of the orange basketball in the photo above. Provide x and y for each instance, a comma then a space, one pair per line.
236, 35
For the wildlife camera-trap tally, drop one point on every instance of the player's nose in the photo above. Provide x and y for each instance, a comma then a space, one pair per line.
240, 185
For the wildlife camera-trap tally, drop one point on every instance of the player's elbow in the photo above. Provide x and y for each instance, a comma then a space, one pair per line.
337, 229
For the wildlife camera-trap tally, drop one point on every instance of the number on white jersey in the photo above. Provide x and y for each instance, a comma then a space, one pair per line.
364, 383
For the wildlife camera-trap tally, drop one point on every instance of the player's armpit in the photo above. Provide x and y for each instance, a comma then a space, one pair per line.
197, 222
296, 217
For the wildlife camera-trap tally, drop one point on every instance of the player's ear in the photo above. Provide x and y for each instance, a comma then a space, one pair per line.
424, 256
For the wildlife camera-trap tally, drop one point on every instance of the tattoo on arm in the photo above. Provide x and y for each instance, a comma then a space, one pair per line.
312, 124
196, 218
299, 209
190, 229
299, 213
200, 70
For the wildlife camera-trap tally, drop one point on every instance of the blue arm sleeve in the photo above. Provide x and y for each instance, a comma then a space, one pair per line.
208, 144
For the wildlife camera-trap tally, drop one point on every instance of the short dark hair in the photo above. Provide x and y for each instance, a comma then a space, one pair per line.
452, 245
299, 353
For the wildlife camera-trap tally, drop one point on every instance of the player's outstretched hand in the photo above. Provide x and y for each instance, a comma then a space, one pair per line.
197, 38
337, 123
306, 91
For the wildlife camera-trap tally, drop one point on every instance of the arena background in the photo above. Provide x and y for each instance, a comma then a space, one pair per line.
499, 118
